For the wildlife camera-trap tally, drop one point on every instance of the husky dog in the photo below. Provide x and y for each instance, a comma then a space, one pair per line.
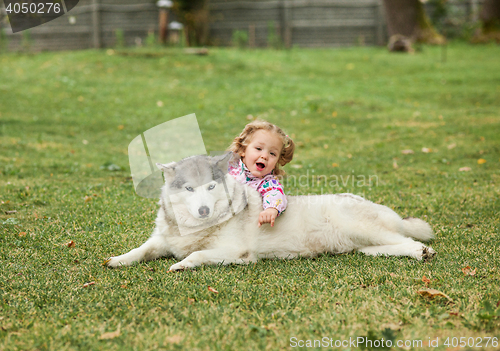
198, 223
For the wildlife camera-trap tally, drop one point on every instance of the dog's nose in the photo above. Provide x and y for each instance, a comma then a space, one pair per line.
204, 211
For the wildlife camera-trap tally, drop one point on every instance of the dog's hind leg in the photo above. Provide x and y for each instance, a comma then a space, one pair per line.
150, 250
224, 255
409, 248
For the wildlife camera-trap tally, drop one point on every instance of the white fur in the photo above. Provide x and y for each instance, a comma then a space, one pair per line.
311, 225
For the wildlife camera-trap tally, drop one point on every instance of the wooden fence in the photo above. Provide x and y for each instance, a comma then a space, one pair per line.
299, 22
305, 23
92, 23
309, 23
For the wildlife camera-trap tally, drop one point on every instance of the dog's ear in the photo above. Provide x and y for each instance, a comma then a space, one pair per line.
168, 170
222, 162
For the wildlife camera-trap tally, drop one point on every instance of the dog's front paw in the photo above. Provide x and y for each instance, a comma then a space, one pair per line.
179, 266
114, 262
428, 253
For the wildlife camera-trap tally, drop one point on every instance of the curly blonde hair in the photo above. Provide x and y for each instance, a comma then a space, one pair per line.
241, 142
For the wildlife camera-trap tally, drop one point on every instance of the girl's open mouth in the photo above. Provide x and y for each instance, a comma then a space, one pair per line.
260, 166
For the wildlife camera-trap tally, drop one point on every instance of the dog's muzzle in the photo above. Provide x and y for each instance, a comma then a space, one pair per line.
204, 211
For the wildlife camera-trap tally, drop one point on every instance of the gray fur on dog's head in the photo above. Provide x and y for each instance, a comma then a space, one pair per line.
220, 164
198, 169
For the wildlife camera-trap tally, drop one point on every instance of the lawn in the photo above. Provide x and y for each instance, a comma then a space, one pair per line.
413, 132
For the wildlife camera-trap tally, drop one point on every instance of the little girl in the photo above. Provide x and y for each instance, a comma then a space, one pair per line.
263, 147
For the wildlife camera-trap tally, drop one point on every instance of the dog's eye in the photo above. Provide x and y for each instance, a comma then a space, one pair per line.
211, 187
188, 188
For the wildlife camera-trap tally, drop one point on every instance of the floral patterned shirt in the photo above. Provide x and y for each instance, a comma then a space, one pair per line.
268, 186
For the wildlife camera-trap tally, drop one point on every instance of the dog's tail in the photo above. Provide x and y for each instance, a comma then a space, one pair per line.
417, 228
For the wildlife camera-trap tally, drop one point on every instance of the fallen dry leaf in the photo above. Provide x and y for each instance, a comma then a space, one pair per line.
426, 150
10, 212
481, 161
426, 280
407, 152
431, 293
110, 335
464, 169
395, 164
21, 234
212, 289
393, 275
87, 198
452, 146
468, 271
70, 244
190, 300
86, 285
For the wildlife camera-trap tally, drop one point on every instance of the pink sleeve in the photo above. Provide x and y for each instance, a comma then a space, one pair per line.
273, 195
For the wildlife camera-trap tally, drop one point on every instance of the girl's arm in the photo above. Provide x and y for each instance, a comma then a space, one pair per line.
273, 195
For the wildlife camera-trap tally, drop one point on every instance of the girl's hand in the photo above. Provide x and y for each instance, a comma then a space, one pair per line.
268, 216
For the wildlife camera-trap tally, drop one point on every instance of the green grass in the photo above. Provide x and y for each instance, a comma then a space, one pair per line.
351, 111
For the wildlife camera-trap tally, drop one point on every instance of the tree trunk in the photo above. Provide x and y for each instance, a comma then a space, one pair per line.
407, 18
195, 16
490, 20
490, 16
